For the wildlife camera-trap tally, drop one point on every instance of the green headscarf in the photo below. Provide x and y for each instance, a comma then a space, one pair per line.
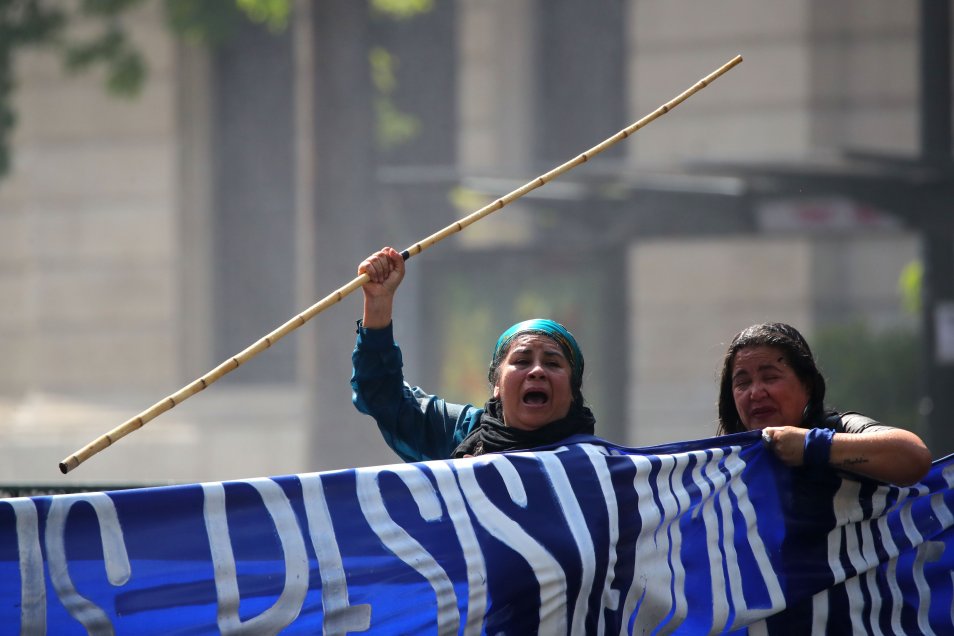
551, 329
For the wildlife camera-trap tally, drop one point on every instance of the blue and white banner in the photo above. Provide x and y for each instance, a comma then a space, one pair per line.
711, 536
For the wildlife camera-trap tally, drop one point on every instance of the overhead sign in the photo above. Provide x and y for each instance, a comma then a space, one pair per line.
830, 214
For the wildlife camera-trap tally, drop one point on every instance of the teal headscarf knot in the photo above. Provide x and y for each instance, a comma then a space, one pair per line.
548, 328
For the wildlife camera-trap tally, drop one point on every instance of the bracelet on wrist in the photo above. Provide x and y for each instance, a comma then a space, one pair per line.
818, 446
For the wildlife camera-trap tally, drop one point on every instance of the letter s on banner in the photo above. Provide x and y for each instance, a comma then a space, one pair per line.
401, 543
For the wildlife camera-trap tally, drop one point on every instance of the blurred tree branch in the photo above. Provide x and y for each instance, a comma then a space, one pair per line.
51, 25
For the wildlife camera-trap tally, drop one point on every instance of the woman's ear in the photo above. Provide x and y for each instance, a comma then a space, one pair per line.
496, 391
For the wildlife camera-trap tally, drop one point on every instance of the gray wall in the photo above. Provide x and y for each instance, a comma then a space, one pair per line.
135, 251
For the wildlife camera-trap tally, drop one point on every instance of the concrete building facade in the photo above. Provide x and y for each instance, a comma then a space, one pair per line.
114, 247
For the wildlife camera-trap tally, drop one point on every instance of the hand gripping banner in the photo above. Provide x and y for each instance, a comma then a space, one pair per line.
709, 536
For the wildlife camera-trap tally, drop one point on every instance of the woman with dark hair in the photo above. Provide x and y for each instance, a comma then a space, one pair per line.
536, 376
770, 382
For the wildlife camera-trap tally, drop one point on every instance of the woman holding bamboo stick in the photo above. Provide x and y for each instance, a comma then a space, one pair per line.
536, 374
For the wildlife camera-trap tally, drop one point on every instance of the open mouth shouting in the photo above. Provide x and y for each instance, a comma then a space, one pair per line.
533, 383
535, 398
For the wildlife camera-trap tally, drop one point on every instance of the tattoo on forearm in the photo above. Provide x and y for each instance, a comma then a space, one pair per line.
852, 461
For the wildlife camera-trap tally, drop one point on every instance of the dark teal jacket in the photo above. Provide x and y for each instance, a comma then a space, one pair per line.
418, 426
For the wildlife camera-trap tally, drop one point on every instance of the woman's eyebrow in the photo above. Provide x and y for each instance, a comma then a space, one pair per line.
556, 352
772, 366
765, 366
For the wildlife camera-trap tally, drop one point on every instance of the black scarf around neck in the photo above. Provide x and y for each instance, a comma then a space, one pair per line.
491, 435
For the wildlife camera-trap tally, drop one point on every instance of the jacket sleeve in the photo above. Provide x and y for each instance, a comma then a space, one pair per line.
416, 425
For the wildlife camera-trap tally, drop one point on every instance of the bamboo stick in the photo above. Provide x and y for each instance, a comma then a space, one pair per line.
267, 341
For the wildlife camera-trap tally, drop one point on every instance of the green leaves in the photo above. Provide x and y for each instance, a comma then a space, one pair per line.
273, 14
93, 34
874, 372
22, 23
394, 127
125, 66
401, 9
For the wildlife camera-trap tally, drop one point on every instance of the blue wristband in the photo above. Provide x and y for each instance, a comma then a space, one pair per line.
818, 446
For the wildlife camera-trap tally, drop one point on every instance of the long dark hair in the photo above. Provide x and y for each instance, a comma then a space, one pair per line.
798, 356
